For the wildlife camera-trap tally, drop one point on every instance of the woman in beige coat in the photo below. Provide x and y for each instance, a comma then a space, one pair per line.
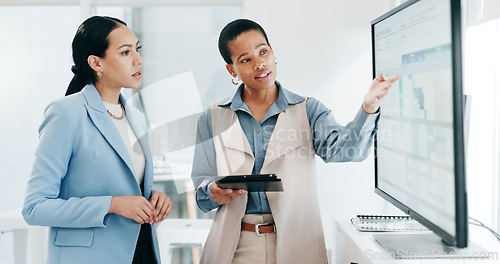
264, 128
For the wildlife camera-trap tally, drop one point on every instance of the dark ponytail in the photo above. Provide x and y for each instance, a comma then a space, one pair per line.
91, 39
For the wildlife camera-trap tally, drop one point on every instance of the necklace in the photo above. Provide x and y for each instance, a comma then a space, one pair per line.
115, 117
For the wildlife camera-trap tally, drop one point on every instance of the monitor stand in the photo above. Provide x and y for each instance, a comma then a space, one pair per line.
426, 246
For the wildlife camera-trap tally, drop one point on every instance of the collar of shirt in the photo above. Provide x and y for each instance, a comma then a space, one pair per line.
284, 99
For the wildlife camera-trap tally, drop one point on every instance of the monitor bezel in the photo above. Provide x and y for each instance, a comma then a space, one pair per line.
461, 214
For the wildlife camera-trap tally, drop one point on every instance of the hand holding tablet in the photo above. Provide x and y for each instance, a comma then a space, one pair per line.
251, 183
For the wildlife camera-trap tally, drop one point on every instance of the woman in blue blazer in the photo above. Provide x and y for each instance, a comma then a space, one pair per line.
90, 183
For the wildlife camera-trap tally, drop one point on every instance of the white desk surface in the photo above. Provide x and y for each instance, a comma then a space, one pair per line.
12, 219
24, 236
370, 251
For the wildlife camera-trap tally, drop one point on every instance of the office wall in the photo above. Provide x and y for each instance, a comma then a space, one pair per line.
324, 51
35, 70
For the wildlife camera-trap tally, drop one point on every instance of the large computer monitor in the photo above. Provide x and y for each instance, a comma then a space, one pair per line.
419, 147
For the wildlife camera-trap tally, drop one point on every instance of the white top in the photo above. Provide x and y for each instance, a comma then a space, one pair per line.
130, 139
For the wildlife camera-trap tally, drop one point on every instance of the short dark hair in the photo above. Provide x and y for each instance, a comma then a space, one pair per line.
233, 30
91, 39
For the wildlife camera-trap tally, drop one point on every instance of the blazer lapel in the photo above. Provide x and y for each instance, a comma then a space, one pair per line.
104, 124
230, 142
140, 131
286, 137
234, 138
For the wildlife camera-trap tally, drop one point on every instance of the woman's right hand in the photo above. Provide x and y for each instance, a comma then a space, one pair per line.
224, 196
136, 208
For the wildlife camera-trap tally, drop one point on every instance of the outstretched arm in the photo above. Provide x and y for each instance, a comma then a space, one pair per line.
334, 142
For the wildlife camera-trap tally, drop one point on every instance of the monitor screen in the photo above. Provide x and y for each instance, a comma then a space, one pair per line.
419, 149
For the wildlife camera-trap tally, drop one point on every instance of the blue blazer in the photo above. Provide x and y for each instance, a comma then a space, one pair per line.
81, 162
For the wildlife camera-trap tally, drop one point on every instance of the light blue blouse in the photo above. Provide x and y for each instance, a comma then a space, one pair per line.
331, 141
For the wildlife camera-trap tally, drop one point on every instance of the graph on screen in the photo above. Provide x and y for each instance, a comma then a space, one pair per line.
415, 139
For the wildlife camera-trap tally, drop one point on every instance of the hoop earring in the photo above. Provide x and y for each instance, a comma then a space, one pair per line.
235, 80
275, 60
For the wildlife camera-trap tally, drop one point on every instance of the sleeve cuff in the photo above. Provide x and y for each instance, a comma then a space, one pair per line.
214, 203
204, 198
365, 121
106, 217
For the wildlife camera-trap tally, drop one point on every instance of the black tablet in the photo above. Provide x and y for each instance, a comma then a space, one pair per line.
251, 183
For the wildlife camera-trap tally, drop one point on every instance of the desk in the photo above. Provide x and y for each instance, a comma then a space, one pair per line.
181, 231
181, 226
352, 246
22, 233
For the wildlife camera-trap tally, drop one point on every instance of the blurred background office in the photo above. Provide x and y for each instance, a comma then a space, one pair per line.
324, 49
